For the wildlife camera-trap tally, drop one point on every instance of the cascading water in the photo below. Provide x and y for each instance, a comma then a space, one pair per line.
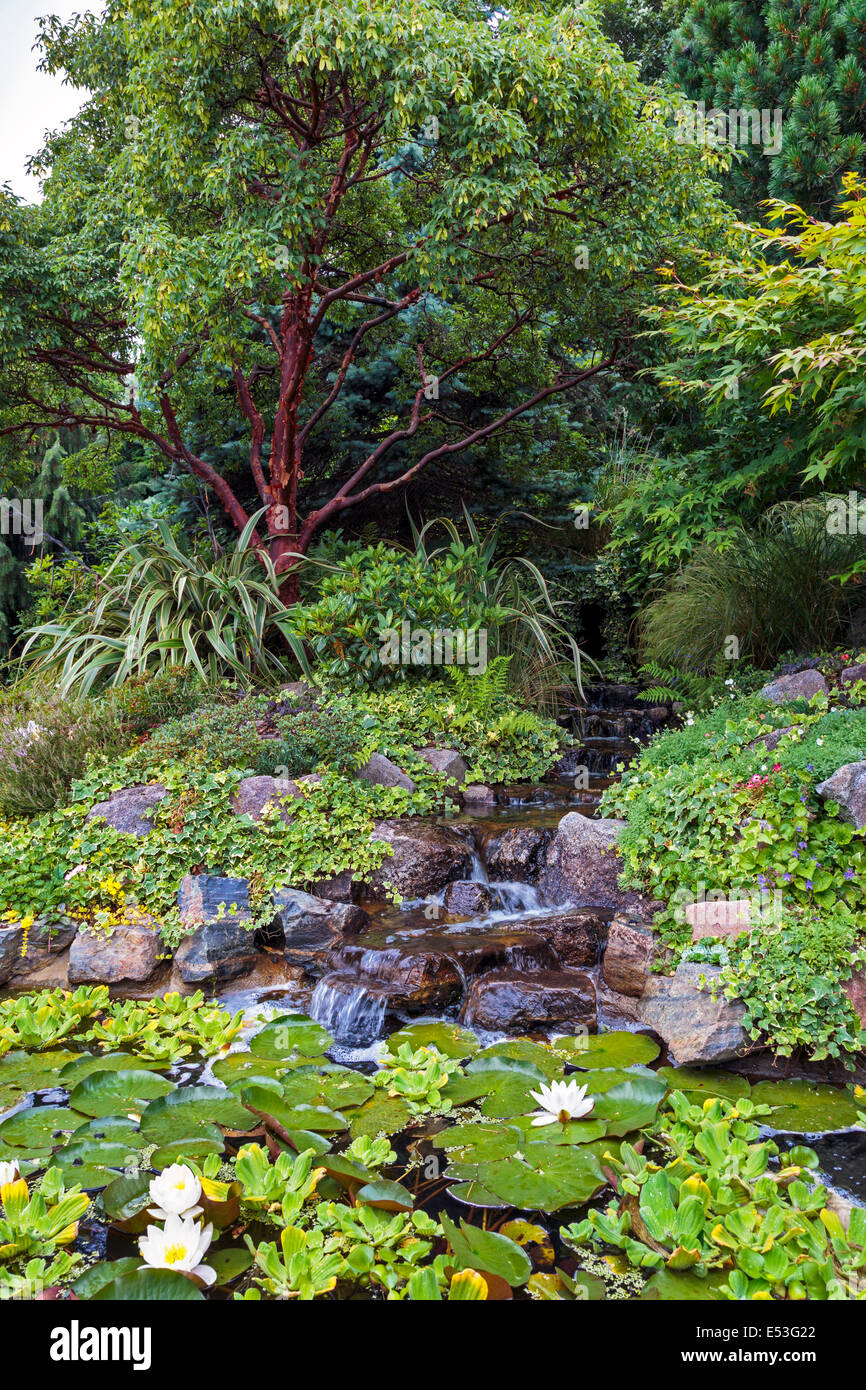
421, 959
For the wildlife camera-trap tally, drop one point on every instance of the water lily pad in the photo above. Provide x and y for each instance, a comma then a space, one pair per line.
40, 1127
474, 1248
608, 1049
668, 1285
632, 1104
522, 1050
185, 1110
99, 1276
290, 1035
706, 1081
94, 1162
804, 1107
511, 1066
447, 1038
229, 1264
543, 1178
381, 1114
208, 1140
114, 1092
86, 1064
390, 1196
345, 1089
126, 1199
239, 1068
151, 1286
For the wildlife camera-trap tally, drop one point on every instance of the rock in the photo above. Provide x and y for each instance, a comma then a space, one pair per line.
513, 1001
801, 685
518, 853
381, 772
310, 927
628, 955
129, 954
477, 794
412, 980
581, 865
222, 946
131, 810
11, 946
465, 898
445, 760
44, 939
723, 918
658, 714
575, 936
847, 785
424, 858
615, 1010
694, 1028
854, 673
771, 740
255, 795
301, 692
340, 888
855, 988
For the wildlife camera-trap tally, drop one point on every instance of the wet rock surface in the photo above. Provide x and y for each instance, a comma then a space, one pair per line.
222, 946
466, 898
306, 928
424, 858
628, 955
582, 866
517, 853
519, 1001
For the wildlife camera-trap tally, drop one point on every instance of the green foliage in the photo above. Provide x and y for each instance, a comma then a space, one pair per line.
790, 980
775, 588
46, 742
780, 318
39, 1222
711, 811
165, 1028
418, 1076
806, 58
159, 606
719, 1203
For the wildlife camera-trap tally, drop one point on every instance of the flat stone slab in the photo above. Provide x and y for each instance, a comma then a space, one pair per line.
727, 917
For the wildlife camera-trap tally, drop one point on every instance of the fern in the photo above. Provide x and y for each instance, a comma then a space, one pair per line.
480, 693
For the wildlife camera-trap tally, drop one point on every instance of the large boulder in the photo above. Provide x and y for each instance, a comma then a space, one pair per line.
582, 866
801, 685
445, 760
628, 955
128, 955
381, 772
847, 785
423, 858
310, 927
132, 809
413, 980
222, 946
513, 1001
517, 853
256, 795
695, 1028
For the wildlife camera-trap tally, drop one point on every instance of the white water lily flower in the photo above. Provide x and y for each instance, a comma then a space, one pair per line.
181, 1245
8, 1172
562, 1101
175, 1192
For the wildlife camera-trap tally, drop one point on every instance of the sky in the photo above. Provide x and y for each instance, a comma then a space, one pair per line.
31, 102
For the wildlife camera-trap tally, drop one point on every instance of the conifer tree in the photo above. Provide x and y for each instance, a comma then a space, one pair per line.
806, 58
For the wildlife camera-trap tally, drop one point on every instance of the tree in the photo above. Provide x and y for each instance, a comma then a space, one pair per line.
263, 197
805, 58
784, 323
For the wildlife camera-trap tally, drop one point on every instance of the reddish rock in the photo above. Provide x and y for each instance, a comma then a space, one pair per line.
855, 988
517, 853
575, 936
628, 955
727, 917
477, 794
514, 1001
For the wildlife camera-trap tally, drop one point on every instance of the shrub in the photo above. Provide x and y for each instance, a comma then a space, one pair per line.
45, 744
159, 606
143, 701
774, 588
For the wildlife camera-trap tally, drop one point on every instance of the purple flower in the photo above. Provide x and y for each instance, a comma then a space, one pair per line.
849, 873
809, 884
786, 878
802, 844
